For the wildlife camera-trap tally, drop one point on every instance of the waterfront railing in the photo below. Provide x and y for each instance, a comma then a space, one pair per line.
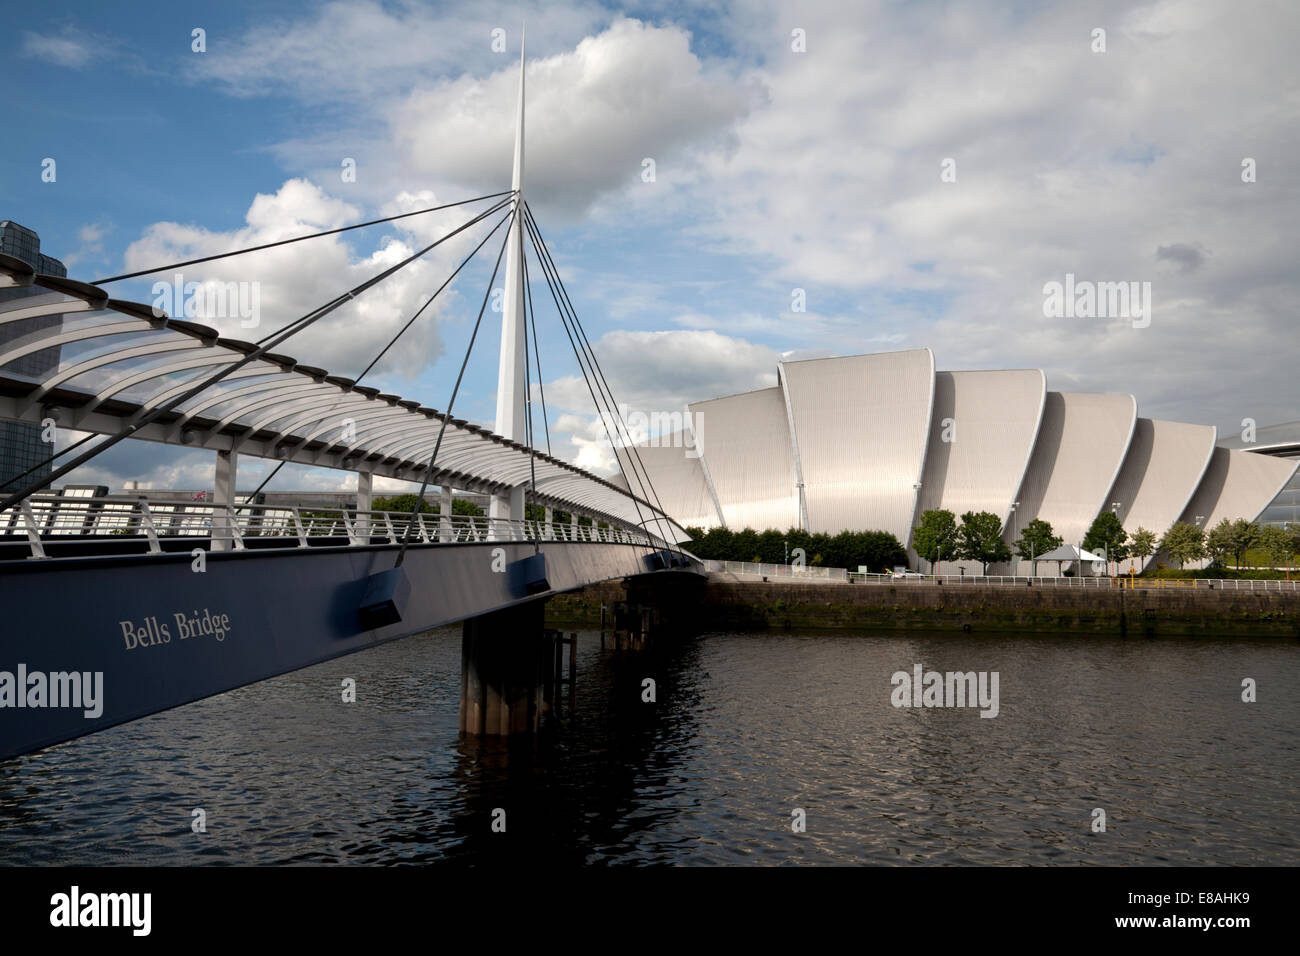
749, 570
44, 519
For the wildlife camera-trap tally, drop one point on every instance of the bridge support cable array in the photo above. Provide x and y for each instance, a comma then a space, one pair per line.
285, 242
531, 317
446, 417
587, 360
264, 345
391, 343
596, 402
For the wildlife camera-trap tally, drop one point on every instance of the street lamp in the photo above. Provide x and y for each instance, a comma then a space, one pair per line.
1114, 509
1015, 561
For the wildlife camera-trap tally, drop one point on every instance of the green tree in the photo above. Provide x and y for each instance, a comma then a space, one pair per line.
402, 503
936, 536
1036, 540
980, 539
1218, 542
1106, 536
1184, 541
1245, 535
1141, 544
1275, 543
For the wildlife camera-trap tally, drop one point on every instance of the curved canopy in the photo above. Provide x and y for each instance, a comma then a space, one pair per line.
93, 363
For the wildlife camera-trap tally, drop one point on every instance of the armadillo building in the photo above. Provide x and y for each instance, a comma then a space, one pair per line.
872, 441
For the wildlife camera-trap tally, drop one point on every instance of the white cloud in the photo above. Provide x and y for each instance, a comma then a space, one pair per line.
72, 48
295, 279
631, 92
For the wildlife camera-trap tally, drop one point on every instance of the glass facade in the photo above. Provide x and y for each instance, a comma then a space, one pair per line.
20, 443
1281, 441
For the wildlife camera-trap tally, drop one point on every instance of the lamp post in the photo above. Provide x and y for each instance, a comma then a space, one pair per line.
1015, 561
1114, 509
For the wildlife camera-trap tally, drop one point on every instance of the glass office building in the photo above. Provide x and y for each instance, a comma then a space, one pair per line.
20, 444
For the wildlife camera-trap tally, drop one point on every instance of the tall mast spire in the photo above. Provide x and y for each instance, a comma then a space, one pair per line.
510, 420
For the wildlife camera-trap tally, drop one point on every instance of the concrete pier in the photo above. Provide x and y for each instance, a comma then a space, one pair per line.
507, 664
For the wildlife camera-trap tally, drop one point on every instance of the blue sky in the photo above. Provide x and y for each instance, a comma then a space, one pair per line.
776, 170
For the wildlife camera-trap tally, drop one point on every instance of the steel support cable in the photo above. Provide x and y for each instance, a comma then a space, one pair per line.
37, 467
285, 242
585, 377
391, 343
446, 416
292, 329
603, 383
330, 306
537, 354
528, 405
634, 453
587, 380
652, 495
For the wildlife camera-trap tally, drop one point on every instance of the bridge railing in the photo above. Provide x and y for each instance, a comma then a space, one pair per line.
43, 519
790, 573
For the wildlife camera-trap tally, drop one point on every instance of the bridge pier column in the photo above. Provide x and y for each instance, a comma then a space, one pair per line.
549, 527
365, 498
223, 497
506, 663
444, 514
506, 508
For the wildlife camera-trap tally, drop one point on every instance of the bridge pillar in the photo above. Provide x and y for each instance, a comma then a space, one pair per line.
549, 526
506, 663
365, 498
505, 507
444, 514
223, 497
573, 525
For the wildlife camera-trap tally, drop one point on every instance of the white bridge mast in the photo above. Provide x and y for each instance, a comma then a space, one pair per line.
511, 421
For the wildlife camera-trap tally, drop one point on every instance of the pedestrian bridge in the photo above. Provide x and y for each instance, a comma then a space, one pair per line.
119, 597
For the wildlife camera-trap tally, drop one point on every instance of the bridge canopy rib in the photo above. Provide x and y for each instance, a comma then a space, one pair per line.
100, 362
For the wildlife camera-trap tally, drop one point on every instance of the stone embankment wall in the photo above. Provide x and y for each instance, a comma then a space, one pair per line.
733, 605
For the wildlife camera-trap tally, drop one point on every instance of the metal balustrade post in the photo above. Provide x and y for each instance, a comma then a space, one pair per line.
146, 517
33, 530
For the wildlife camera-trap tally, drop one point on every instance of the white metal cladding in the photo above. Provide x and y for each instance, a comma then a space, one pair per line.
1081, 445
982, 432
290, 412
1238, 484
677, 477
861, 425
1161, 471
748, 459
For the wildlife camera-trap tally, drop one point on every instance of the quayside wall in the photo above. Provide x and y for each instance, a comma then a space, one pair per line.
754, 606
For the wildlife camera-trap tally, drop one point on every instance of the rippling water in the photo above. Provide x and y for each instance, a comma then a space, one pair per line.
746, 729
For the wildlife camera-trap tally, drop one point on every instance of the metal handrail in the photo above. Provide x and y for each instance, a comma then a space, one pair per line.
786, 572
47, 518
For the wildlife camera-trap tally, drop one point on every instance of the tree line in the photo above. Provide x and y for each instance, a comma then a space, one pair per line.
877, 551
979, 537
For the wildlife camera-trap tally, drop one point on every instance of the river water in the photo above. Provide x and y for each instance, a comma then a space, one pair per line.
746, 729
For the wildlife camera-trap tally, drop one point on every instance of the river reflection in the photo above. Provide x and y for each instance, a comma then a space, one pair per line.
746, 729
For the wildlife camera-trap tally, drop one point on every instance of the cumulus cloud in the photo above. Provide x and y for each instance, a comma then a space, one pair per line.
653, 372
292, 280
595, 114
